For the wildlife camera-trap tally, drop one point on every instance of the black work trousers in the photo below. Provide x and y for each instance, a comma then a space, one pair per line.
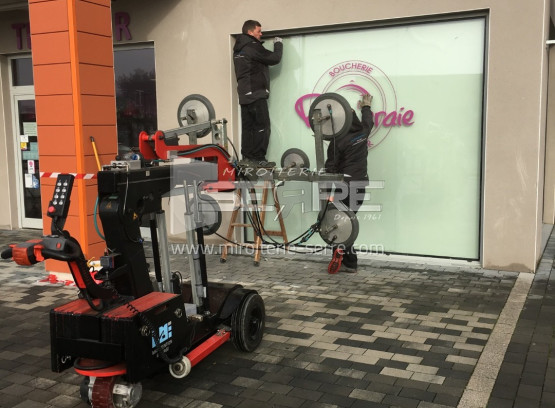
350, 258
255, 130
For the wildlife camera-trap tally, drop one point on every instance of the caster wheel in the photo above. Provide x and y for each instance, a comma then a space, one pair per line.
223, 260
247, 323
84, 390
256, 263
181, 368
102, 392
111, 392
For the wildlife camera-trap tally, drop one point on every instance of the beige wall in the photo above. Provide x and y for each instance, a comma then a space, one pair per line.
193, 55
549, 190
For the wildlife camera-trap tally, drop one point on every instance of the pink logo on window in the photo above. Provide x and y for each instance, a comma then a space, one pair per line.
351, 79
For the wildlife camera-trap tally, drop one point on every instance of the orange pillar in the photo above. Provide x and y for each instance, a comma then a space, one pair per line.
73, 67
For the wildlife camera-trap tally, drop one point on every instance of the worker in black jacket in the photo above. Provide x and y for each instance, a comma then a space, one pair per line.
348, 155
252, 63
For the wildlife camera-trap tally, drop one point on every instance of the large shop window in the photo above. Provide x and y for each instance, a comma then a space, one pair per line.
135, 93
425, 151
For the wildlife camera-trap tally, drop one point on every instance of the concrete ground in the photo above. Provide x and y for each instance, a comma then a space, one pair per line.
395, 334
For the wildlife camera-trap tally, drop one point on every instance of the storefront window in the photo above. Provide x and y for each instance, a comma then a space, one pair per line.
135, 93
22, 71
424, 158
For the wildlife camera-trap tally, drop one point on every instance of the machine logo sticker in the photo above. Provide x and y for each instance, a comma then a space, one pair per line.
164, 334
354, 78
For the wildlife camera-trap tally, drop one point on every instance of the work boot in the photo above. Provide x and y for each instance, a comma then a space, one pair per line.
335, 262
265, 164
247, 162
347, 269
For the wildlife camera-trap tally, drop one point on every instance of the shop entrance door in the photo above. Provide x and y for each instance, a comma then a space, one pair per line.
27, 154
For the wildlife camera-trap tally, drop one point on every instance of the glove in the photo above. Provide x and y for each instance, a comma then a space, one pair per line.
277, 39
366, 100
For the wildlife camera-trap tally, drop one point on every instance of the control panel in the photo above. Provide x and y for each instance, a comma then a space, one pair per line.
59, 205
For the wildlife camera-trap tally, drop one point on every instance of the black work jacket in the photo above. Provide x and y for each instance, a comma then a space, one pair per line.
251, 62
349, 153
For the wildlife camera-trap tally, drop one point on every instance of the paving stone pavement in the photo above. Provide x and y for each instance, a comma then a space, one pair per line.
393, 335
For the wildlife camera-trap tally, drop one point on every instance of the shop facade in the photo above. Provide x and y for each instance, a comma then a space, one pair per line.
461, 156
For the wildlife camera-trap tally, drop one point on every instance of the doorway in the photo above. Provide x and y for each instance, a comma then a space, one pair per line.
26, 148
28, 168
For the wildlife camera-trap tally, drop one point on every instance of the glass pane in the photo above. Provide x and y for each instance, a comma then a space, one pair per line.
424, 157
22, 72
135, 94
28, 143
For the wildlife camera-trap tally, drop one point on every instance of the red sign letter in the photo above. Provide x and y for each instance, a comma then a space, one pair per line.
19, 27
121, 23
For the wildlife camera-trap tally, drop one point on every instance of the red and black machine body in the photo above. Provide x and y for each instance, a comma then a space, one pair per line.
122, 325
114, 335
162, 145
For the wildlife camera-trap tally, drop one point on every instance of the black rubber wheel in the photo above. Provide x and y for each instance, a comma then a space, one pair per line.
247, 323
203, 109
342, 115
295, 158
84, 390
222, 260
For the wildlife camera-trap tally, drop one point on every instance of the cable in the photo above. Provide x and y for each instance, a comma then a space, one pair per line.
161, 353
276, 246
203, 147
95, 219
234, 150
260, 231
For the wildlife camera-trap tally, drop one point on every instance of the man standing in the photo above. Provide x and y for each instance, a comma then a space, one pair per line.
348, 155
252, 63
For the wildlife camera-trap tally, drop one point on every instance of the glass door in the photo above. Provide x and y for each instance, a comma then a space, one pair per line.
28, 169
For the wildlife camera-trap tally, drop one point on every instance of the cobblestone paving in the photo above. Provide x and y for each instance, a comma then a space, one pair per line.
392, 335
527, 374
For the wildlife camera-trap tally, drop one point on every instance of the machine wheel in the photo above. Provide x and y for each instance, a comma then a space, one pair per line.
338, 108
181, 368
247, 323
102, 392
110, 392
84, 390
294, 158
203, 108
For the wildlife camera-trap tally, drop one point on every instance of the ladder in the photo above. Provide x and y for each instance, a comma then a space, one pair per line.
269, 185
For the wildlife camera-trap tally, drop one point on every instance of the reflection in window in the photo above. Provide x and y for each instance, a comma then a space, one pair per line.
135, 94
